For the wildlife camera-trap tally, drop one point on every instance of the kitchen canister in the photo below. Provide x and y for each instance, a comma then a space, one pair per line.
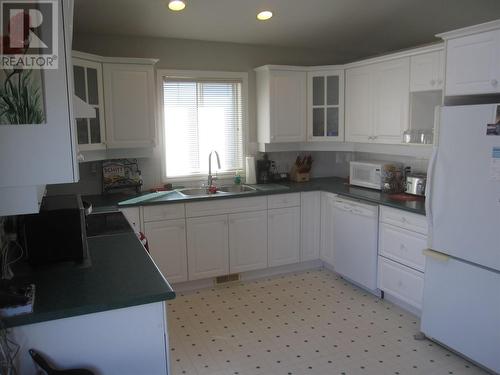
250, 170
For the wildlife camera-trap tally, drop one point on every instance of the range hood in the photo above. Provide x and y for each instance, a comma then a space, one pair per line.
82, 109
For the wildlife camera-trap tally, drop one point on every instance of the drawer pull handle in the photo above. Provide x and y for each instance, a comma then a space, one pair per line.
402, 247
400, 283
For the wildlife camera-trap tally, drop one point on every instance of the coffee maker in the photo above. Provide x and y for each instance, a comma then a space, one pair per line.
264, 170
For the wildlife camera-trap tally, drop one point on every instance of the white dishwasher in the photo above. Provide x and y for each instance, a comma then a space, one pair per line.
355, 239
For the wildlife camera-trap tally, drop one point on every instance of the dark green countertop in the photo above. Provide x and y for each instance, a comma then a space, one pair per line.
122, 275
329, 184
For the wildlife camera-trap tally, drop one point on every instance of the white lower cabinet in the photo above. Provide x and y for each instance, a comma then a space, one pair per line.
247, 241
327, 238
401, 282
283, 236
208, 246
167, 245
133, 216
310, 222
401, 264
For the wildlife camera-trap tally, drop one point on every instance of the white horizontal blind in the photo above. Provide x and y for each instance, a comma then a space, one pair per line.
201, 116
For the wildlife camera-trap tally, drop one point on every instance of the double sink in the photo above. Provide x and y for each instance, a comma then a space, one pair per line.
221, 190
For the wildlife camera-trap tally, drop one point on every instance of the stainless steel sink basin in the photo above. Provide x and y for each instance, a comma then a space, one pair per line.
236, 189
194, 192
226, 190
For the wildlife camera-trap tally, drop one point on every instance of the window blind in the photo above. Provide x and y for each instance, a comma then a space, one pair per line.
201, 116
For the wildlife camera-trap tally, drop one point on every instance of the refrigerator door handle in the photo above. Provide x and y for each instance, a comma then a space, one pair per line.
435, 255
428, 191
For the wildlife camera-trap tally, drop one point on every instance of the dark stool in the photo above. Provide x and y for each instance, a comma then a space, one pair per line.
44, 365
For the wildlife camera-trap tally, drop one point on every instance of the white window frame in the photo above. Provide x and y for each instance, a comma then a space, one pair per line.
198, 75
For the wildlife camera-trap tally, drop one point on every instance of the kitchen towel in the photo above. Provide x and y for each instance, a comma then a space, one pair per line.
250, 170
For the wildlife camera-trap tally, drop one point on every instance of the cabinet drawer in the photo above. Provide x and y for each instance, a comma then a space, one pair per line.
402, 246
226, 206
403, 219
163, 212
401, 282
283, 200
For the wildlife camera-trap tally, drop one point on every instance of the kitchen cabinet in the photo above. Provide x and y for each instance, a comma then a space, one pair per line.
208, 246
133, 216
472, 63
284, 236
427, 71
129, 97
247, 241
33, 155
327, 219
325, 109
167, 245
87, 76
377, 101
310, 222
401, 263
281, 104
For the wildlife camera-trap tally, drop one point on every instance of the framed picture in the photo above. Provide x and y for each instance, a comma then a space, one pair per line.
21, 97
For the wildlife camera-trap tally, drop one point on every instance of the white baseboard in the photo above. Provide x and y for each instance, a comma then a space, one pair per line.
405, 306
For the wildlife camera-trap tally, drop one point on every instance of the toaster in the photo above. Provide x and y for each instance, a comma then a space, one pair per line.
415, 184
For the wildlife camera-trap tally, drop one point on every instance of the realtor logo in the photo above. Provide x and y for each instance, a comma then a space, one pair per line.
29, 34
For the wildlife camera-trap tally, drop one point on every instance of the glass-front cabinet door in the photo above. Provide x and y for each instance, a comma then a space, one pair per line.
326, 105
88, 87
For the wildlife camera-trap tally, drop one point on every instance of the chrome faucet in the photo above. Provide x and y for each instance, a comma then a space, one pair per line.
210, 177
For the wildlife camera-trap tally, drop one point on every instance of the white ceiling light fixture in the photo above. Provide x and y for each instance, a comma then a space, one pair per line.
264, 15
176, 5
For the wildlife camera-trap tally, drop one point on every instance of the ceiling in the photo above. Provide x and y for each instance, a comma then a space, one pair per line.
355, 28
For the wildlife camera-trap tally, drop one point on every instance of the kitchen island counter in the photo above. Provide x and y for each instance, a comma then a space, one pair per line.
122, 275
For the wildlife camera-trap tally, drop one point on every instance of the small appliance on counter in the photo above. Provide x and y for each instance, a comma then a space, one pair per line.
415, 183
381, 175
57, 233
264, 170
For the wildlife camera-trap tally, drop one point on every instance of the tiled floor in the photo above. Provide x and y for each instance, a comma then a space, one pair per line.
302, 323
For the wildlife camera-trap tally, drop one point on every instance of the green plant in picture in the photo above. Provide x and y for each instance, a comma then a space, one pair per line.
21, 100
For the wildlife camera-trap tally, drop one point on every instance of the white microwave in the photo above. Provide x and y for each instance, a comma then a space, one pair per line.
368, 173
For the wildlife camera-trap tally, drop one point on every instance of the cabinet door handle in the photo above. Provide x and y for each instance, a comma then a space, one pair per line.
433, 82
440, 81
494, 82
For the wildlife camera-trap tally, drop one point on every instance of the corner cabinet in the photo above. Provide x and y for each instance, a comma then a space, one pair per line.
129, 96
377, 101
281, 104
325, 105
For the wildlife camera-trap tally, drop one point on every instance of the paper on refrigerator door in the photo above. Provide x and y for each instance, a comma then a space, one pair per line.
495, 164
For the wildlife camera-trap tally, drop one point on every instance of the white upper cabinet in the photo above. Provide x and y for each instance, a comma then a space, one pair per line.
473, 64
391, 97
87, 76
281, 104
33, 151
129, 96
359, 104
427, 71
377, 100
325, 105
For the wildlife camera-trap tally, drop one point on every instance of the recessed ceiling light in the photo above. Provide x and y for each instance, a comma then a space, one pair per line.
264, 15
176, 5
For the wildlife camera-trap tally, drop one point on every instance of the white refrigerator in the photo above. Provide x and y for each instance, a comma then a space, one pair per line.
461, 307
